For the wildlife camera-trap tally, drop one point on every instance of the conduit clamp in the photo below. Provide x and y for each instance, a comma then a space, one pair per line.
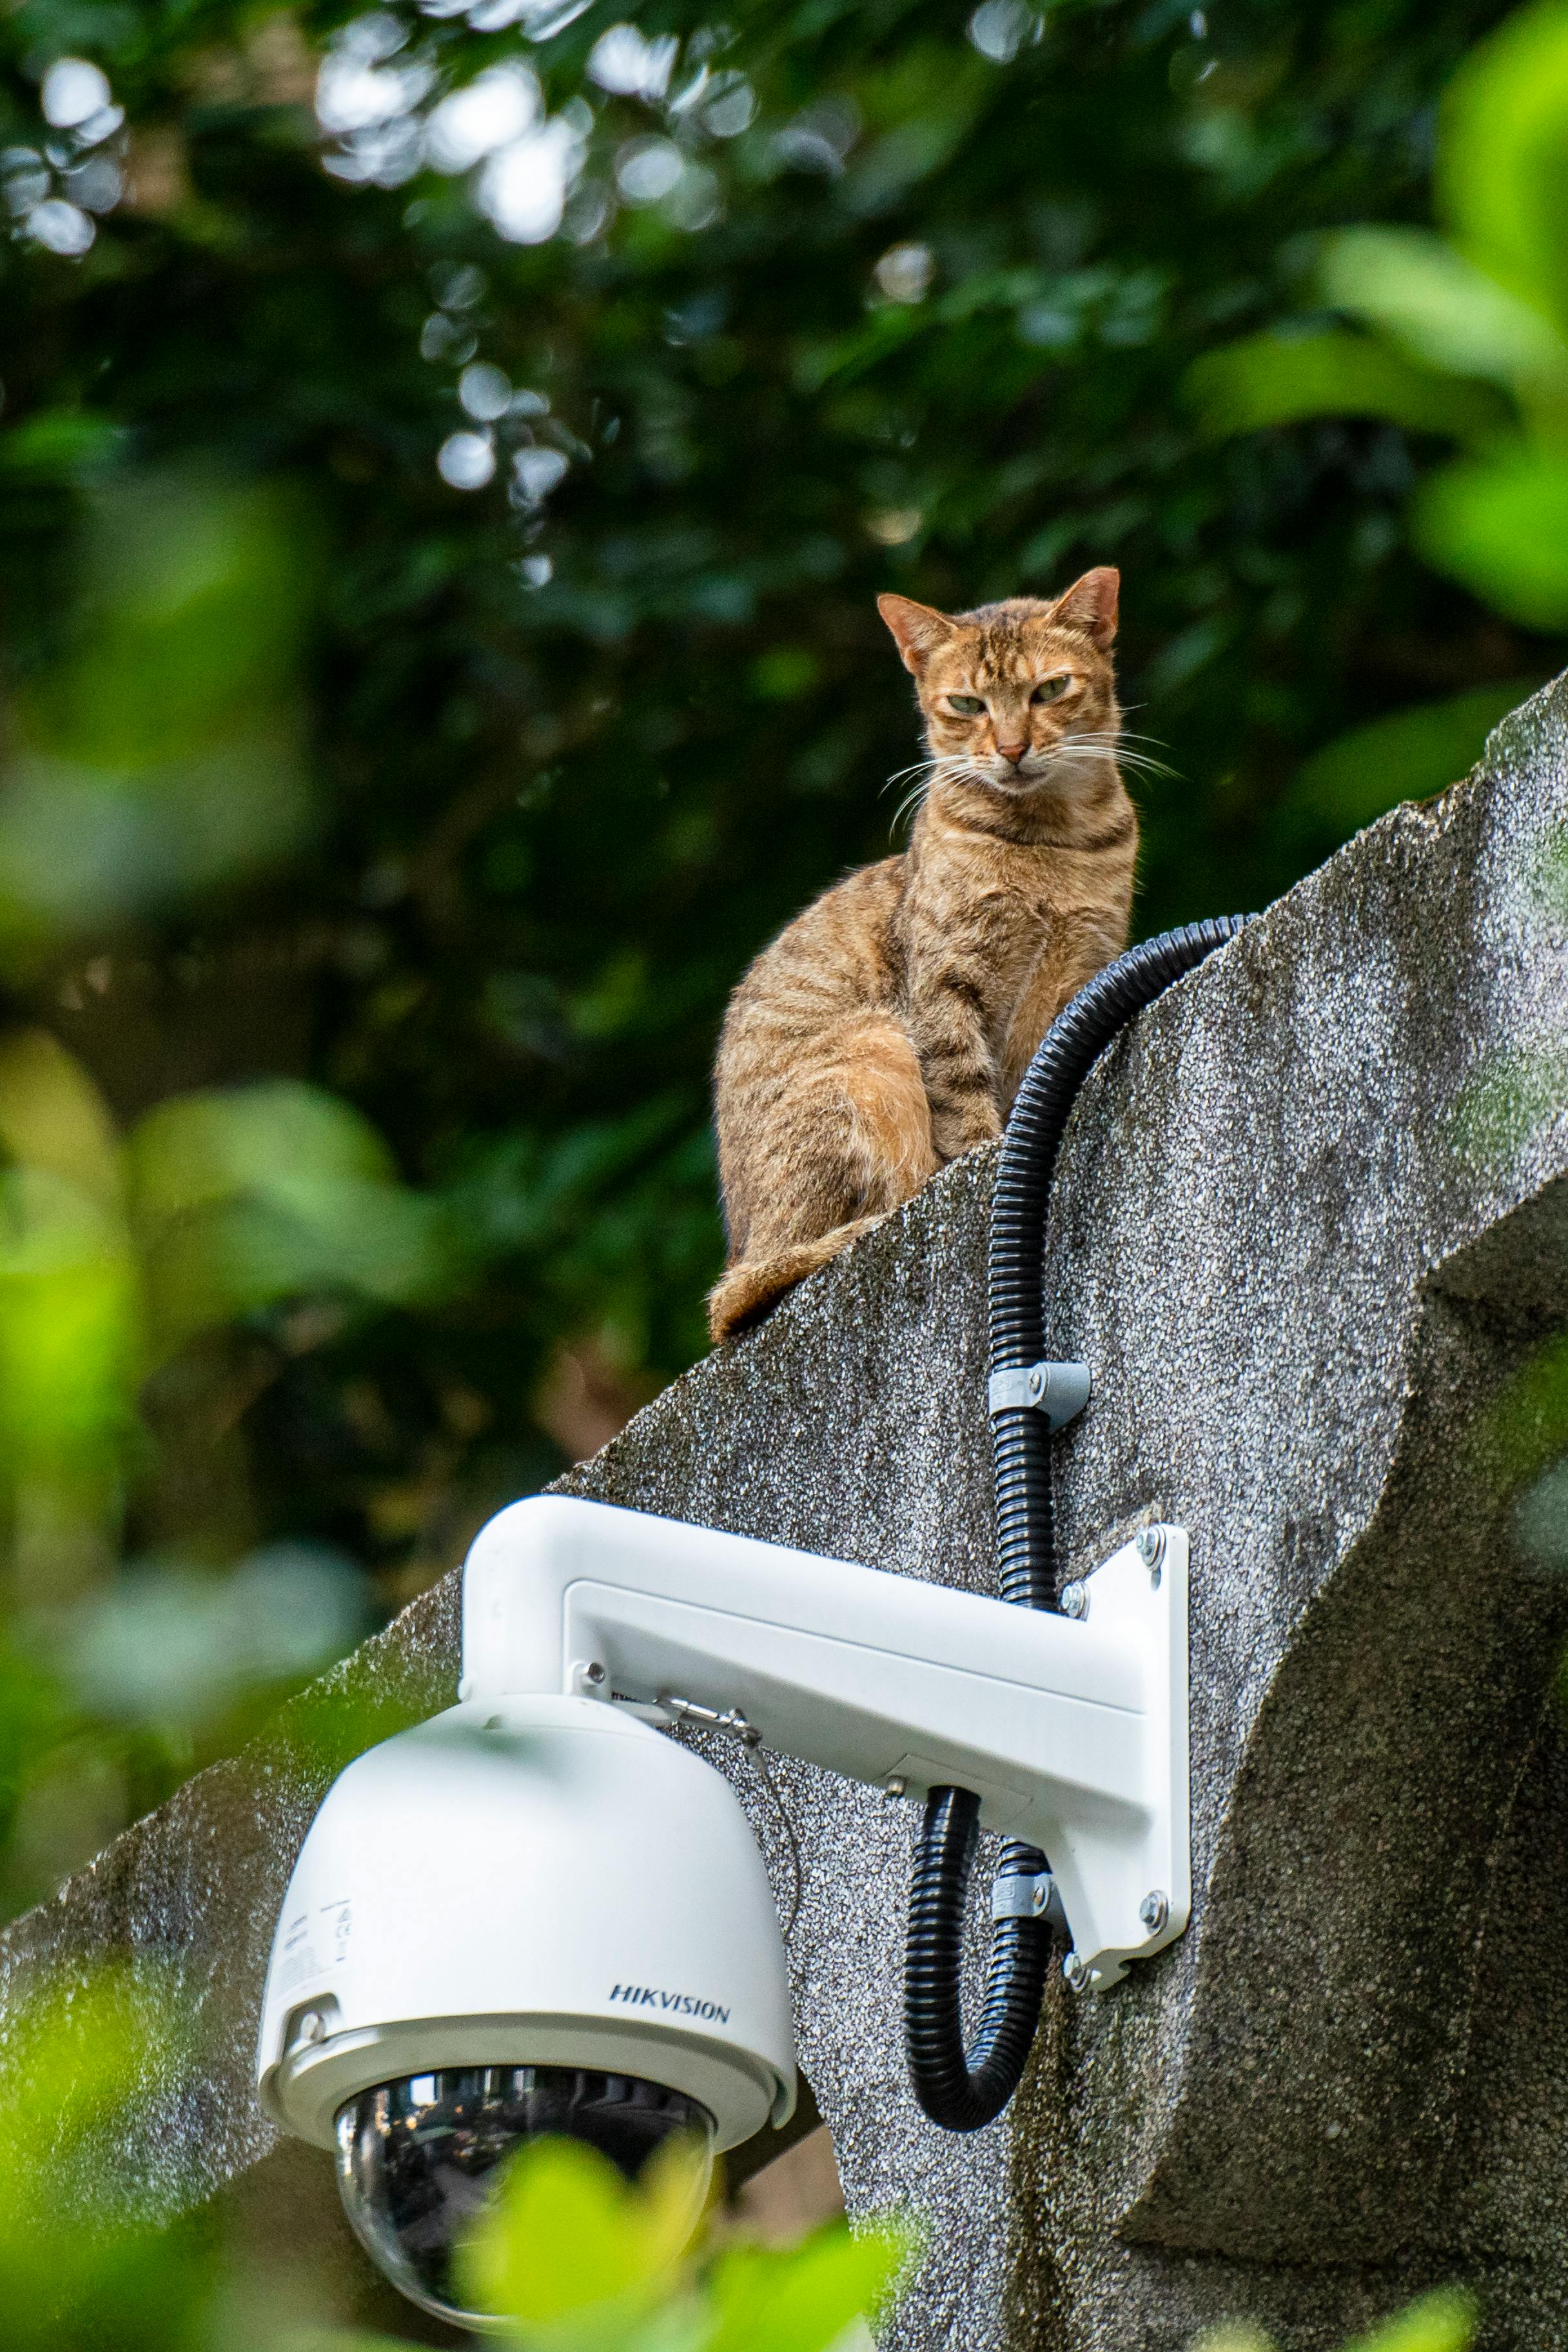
1058, 1391
1028, 1895
1023, 1895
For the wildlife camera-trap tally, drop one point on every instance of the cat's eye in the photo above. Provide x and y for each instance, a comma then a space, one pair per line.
968, 705
1049, 687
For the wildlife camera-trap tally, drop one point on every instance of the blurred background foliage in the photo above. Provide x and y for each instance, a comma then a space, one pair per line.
449, 454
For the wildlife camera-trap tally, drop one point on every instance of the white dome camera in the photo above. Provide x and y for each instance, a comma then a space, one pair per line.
530, 1915
536, 1914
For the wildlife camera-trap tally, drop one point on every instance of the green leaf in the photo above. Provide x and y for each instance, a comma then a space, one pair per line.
1525, 1430
1406, 756
89, 2053
272, 1140
1502, 160
1441, 2321
166, 753
1281, 380
180, 1648
61, 446
232, 1258
242, 1198
567, 2238
801, 2298
85, 2053
1499, 523
70, 1335
1443, 311
52, 1116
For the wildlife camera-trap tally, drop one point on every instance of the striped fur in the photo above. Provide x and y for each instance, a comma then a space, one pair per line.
885, 1031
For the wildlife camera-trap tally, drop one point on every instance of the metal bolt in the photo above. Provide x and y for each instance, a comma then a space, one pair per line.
1075, 1601
1150, 1545
894, 1787
593, 1672
1035, 1383
1074, 1974
311, 2028
1155, 1910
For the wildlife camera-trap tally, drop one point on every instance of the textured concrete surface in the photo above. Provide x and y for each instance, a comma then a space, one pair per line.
1306, 1283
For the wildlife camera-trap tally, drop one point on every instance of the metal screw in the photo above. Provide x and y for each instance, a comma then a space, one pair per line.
593, 1672
1150, 1545
894, 1787
1155, 1910
311, 2028
1036, 1384
1074, 1973
1075, 1601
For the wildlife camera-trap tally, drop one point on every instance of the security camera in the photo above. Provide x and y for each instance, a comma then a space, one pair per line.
537, 1914
531, 1914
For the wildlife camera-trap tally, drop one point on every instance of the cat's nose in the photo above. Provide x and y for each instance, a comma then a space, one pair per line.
1014, 751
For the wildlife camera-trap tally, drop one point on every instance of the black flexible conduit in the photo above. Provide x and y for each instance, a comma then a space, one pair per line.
962, 2089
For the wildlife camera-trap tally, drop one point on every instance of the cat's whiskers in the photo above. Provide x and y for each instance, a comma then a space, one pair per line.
911, 798
1142, 764
1107, 743
1117, 737
949, 767
1076, 752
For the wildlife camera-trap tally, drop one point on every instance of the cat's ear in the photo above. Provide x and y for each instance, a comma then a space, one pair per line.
1091, 605
918, 629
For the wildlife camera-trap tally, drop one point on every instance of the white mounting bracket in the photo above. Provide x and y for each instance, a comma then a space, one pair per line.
1072, 1731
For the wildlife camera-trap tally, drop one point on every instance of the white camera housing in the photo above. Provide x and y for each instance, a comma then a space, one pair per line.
529, 1881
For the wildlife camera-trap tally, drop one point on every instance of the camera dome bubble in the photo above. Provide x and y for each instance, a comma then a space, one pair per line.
417, 2158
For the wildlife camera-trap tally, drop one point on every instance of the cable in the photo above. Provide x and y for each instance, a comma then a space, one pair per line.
961, 2088
1025, 1535
760, 1759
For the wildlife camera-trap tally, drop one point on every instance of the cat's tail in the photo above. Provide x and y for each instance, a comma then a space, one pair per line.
745, 1293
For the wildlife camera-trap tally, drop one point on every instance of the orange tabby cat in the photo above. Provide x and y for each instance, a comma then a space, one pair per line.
887, 1028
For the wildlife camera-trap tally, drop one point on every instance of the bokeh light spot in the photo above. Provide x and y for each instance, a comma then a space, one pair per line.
73, 91
467, 460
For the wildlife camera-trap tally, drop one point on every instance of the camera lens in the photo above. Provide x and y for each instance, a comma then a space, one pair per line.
416, 2158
